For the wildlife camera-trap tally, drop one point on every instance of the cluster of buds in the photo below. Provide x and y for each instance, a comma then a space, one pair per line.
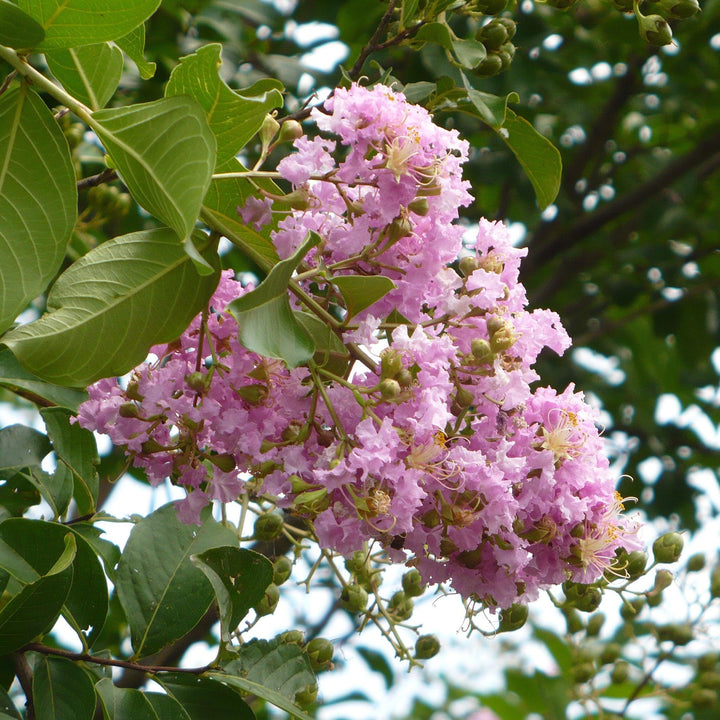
433, 446
496, 36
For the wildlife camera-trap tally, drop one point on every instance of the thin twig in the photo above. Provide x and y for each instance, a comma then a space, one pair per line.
106, 176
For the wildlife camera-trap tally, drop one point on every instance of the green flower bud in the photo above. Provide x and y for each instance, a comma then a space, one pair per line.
710, 680
464, 398
505, 59
654, 29
197, 381
354, 598
583, 672
654, 598
509, 24
290, 130
269, 602
628, 610
390, 388
610, 653
320, 653
129, 410
306, 697
715, 582
492, 35
708, 661
636, 562
663, 579
677, 633
589, 599
679, 9
573, 621
467, 265
268, 526
412, 583
420, 206
703, 698
595, 624
390, 363
401, 606
481, 351
282, 569
426, 647
620, 672
292, 637
668, 547
696, 562
405, 378
502, 339
491, 7
513, 618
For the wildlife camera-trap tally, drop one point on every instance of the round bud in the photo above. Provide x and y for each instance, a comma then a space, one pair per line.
668, 547
481, 351
610, 653
620, 672
464, 397
282, 569
197, 381
696, 562
490, 66
663, 579
573, 621
513, 618
405, 378
412, 583
292, 637
467, 265
128, 410
715, 582
354, 598
636, 562
290, 130
509, 24
306, 697
628, 610
492, 35
589, 599
426, 647
654, 598
401, 606
269, 601
268, 526
390, 388
583, 672
595, 624
320, 653
676, 633
390, 363
679, 9
654, 30
420, 206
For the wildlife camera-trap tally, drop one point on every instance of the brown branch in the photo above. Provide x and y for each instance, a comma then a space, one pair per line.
105, 176
6, 82
25, 678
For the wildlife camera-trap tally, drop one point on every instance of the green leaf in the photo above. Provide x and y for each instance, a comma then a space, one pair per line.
436, 32
21, 447
133, 45
220, 212
15, 378
38, 200
239, 578
271, 670
361, 292
469, 53
491, 109
557, 647
330, 352
205, 699
17, 29
266, 322
62, 690
233, 116
109, 307
16, 496
105, 550
56, 488
164, 152
76, 452
407, 13
90, 73
538, 156
163, 594
8, 711
379, 664
129, 704
72, 23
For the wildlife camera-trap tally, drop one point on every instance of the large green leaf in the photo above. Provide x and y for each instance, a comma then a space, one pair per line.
17, 29
21, 447
538, 156
491, 109
8, 711
266, 322
71, 23
330, 352
17, 494
133, 45
38, 200
109, 307
234, 117
14, 377
360, 292
205, 699
164, 595
239, 578
76, 454
128, 704
164, 152
90, 73
62, 690
271, 670
56, 488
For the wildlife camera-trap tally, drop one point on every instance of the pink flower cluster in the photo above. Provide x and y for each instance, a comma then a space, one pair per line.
440, 451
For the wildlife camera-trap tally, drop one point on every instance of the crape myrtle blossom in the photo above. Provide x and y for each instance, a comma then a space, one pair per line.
441, 452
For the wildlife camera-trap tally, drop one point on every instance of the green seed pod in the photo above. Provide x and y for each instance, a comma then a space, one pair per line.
354, 598
636, 562
307, 697
292, 637
492, 35
290, 130
268, 526
510, 26
610, 653
412, 583
426, 647
282, 569
703, 698
464, 398
320, 653
197, 381
513, 618
668, 547
696, 562
401, 606
595, 623
269, 602
589, 599
620, 672
654, 30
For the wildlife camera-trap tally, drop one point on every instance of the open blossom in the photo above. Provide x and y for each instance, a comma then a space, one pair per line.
442, 452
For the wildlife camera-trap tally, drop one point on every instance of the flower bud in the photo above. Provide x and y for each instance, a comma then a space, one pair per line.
583, 672
354, 598
667, 548
595, 624
292, 637
268, 129
482, 352
589, 599
509, 24
715, 582
307, 697
513, 618
464, 398
654, 29
282, 569
269, 601
420, 206
610, 653
492, 35
573, 621
696, 562
663, 579
490, 66
197, 381
620, 672
320, 653
628, 610
502, 339
677, 633
129, 410
412, 583
636, 562
679, 9
405, 378
290, 130
390, 363
390, 388
467, 265
268, 526
426, 647
401, 606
